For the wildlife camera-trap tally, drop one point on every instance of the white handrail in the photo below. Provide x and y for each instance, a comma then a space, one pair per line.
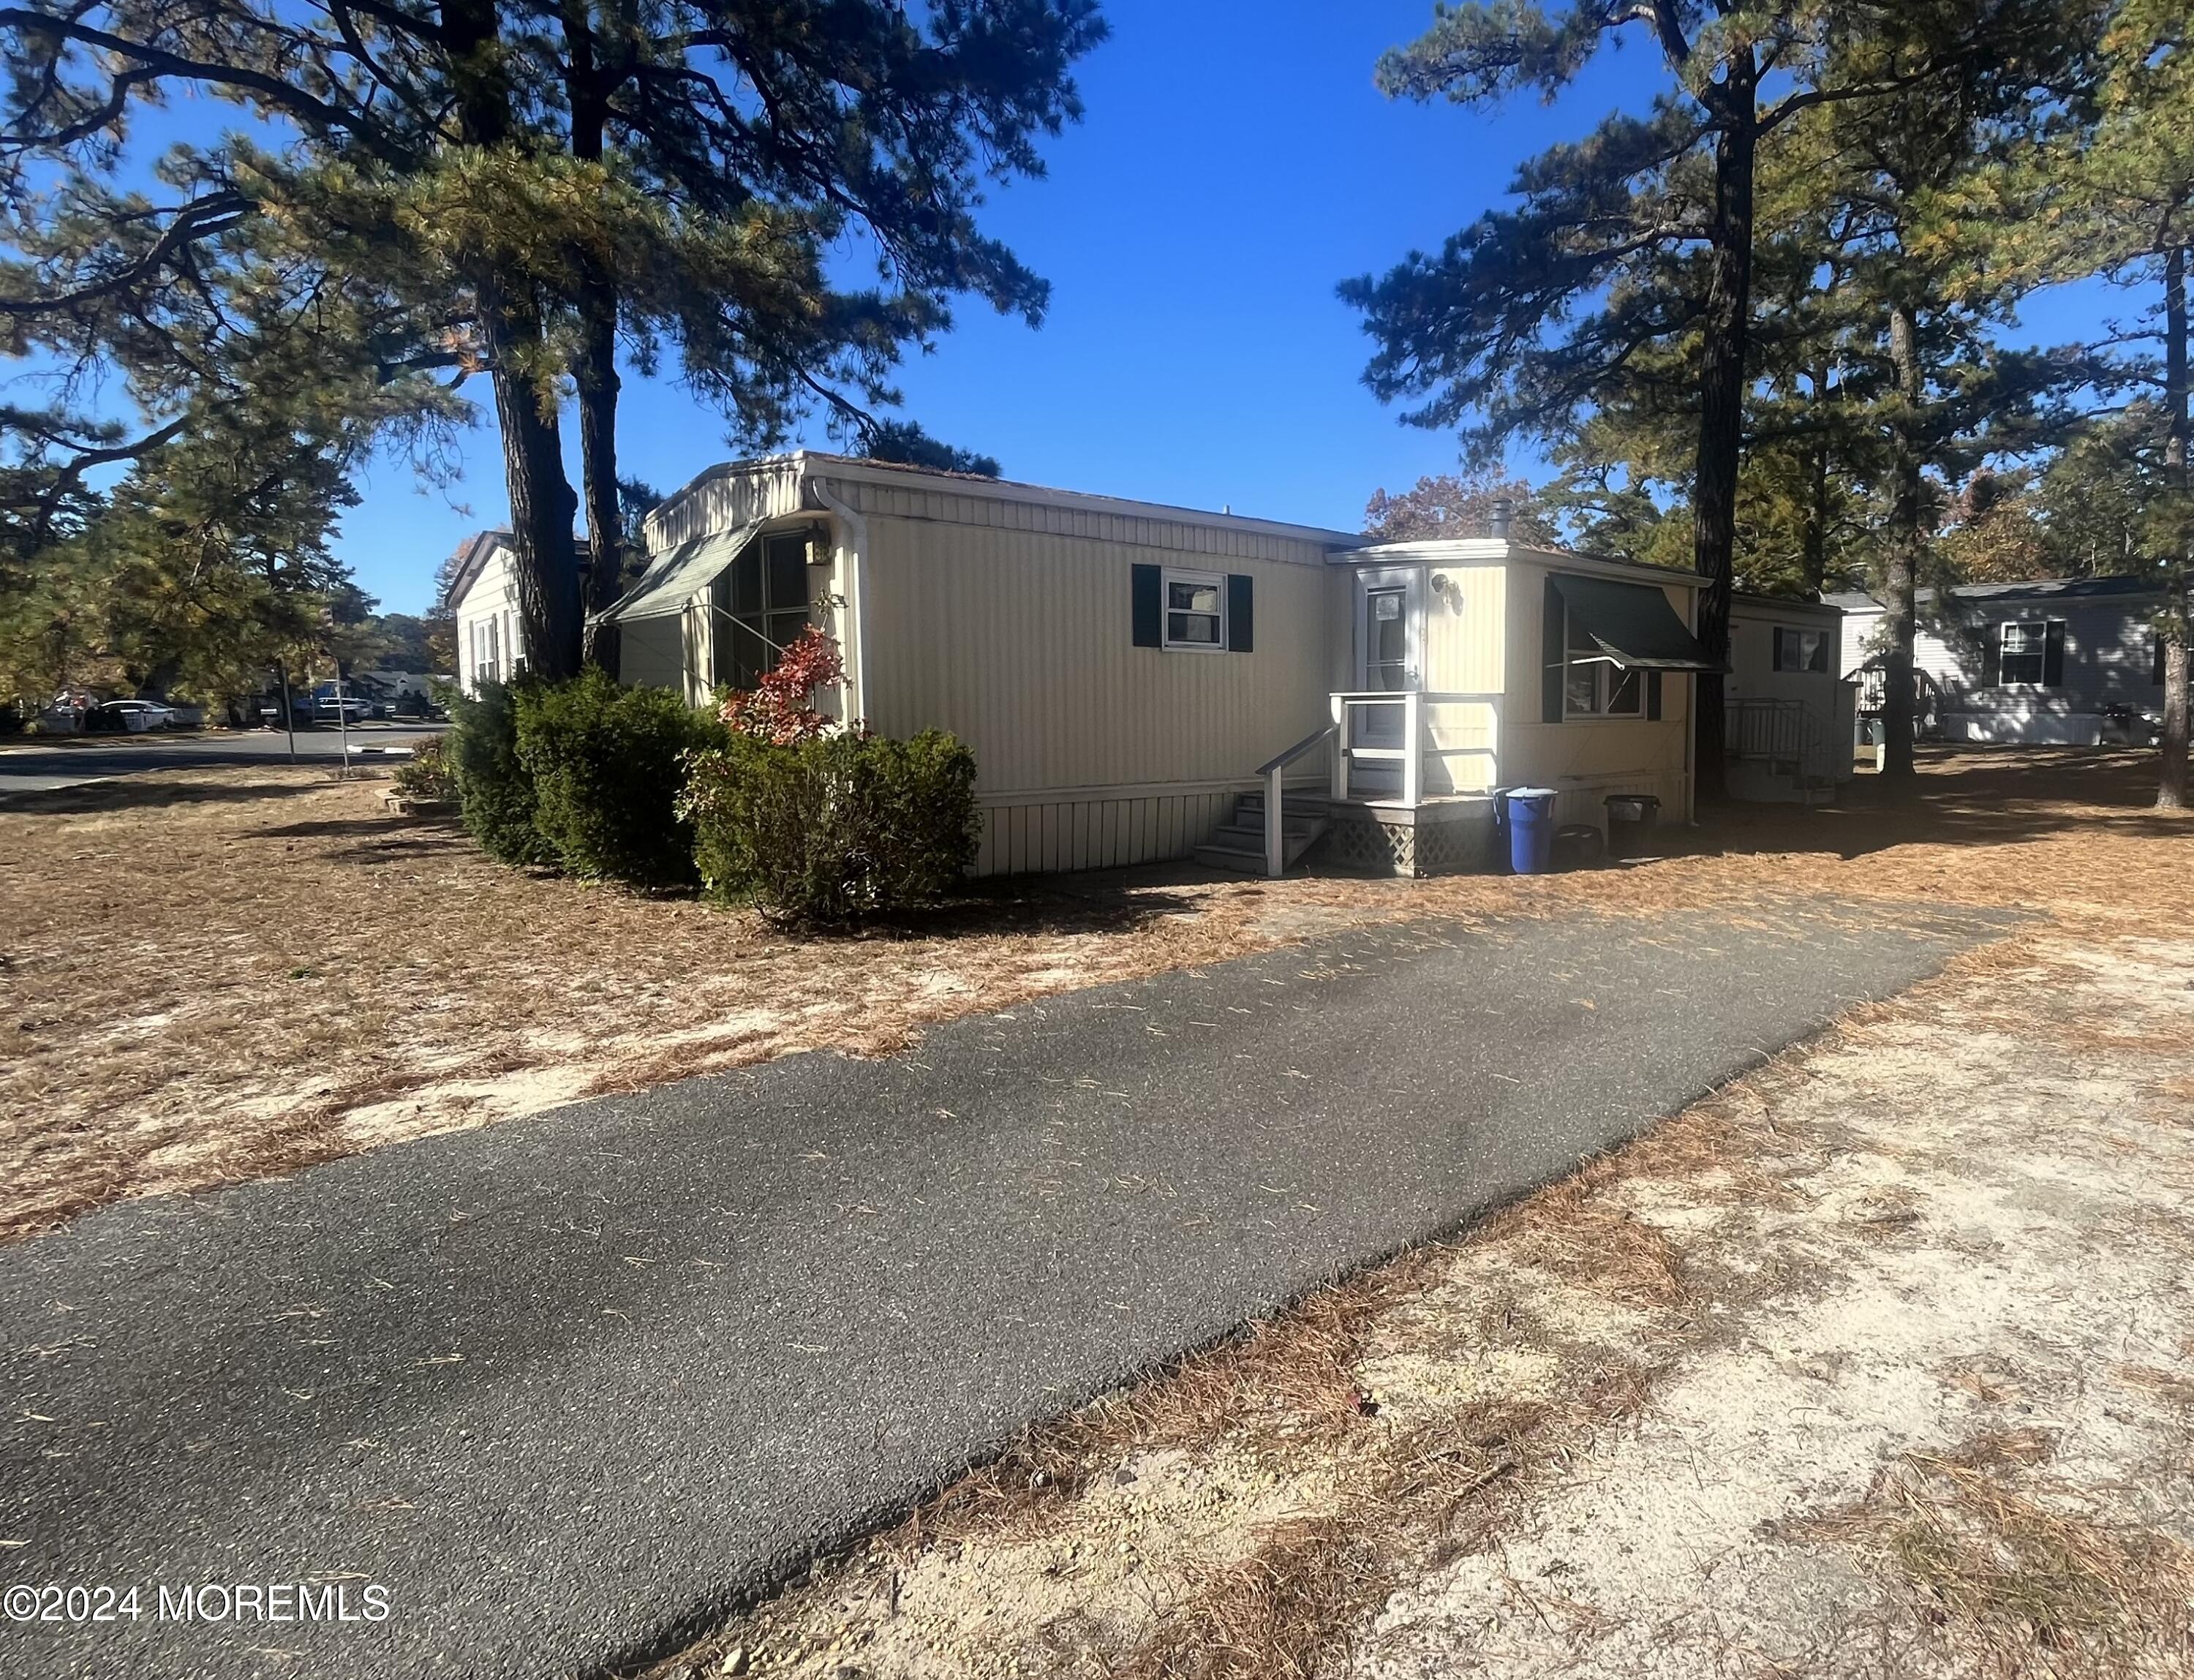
1411, 753
1276, 850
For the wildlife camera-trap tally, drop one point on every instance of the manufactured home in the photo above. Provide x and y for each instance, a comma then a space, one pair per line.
1789, 717
1136, 681
2065, 661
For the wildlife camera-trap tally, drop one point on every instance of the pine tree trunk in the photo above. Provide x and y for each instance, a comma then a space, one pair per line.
545, 573
1721, 408
2171, 785
1898, 721
599, 381
1815, 557
598, 386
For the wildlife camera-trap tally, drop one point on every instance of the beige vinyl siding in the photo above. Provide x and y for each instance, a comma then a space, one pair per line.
1586, 761
1466, 607
1092, 751
1021, 644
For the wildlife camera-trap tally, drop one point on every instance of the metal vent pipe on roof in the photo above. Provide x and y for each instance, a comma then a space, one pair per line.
1503, 509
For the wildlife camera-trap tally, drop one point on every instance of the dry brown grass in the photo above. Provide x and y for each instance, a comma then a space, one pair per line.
2016, 1579
216, 975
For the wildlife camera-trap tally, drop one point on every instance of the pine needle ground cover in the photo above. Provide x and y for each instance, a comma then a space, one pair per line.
218, 974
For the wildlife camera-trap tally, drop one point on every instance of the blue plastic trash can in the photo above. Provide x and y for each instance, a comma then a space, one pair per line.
1531, 812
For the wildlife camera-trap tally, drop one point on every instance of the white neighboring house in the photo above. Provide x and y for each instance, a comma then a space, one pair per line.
491, 637
1136, 680
2064, 661
1789, 714
491, 630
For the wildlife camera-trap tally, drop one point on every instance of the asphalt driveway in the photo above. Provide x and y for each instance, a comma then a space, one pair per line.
563, 1388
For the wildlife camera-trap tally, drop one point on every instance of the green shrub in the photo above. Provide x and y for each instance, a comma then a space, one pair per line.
836, 829
428, 773
608, 764
495, 792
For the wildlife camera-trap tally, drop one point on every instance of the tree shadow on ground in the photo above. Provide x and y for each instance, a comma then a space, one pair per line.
143, 793
326, 828
1972, 796
1051, 907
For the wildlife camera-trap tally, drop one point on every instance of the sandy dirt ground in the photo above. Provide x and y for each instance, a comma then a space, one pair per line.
216, 975
1879, 1363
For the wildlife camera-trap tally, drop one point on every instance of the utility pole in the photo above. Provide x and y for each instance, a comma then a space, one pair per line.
288, 711
343, 715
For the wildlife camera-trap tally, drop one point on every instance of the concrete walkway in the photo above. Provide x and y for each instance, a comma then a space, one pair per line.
563, 1387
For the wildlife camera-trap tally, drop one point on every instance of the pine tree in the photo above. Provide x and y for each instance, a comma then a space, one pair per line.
2122, 205
1645, 230
535, 180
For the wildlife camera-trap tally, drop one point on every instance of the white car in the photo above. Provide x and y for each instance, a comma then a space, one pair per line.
137, 716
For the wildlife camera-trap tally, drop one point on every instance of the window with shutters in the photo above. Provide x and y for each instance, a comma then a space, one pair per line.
767, 607
1195, 611
2025, 645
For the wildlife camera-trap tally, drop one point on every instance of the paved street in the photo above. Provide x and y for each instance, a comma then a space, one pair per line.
564, 1387
32, 765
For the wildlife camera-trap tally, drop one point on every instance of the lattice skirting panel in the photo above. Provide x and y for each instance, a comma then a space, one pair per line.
1363, 846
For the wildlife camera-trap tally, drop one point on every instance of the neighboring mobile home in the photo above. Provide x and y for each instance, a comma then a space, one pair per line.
2066, 661
483, 597
1789, 714
1126, 673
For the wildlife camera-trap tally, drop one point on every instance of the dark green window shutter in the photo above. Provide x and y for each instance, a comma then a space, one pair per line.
1992, 657
1241, 614
1653, 696
2053, 656
1150, 606
1552, 653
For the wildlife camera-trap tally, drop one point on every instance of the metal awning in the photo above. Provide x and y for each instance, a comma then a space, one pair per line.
666, 587
1632, 625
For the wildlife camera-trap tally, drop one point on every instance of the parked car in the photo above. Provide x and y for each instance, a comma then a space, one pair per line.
350, 709
133, 717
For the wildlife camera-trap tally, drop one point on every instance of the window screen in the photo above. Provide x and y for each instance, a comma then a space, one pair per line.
767, 591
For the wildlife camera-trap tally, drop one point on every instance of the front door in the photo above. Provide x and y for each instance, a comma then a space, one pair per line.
1389, 630
1389, 646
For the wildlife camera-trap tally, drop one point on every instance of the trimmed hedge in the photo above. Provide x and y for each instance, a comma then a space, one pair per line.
495, 791
608, 764
834, 830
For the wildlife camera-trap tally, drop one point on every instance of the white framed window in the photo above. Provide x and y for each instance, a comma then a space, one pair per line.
1801, 650
765, 594
1593, 685
2025, 652
1194, 611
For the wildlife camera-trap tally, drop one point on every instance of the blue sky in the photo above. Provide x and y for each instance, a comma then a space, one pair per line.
1236, 163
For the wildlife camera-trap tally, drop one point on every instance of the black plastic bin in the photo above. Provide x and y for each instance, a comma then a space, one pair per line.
1633, 821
